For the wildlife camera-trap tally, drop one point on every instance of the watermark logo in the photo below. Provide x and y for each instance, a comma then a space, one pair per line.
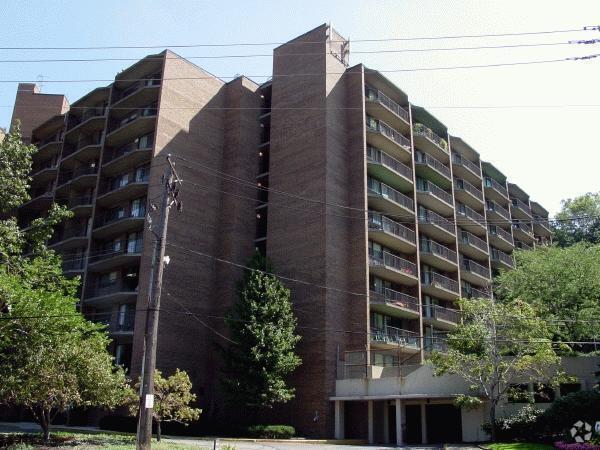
581, 431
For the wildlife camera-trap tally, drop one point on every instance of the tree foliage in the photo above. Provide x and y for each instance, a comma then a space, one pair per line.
563, 284
172, 398
15, 165
262, 326
496, 346
578, 221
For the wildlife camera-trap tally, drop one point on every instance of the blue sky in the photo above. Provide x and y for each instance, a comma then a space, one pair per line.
552, 153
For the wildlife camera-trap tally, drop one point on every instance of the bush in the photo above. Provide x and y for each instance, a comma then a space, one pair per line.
561, 445
271, 431
523, 426
565, 411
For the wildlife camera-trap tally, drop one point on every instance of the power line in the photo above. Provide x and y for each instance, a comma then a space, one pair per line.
246, 44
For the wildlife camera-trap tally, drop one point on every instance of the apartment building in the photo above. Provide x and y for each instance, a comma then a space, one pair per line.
384, 218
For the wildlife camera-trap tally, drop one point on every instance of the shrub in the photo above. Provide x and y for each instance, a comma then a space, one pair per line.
565, 411
561, 445
271, 431
522, 426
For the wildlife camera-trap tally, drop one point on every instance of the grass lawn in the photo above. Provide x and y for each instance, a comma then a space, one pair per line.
518, 446
64, 440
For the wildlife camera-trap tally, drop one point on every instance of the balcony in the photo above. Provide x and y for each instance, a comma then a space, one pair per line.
434, 197
496, 213
436, 226
541, 226
436, 344
87, 149
467, 193
437, 285
426, 140
50, 146
471, 245
523, 232
494, 190
138, 94
79, 178
73, 265
386, 199
392, 337
384, 137
522, 245
391, 233
520, 210
41, 199
116, 323
437, 255
93, 119
499, 259
128, 156
394, 303
121, 221
500, 238
81, 205
74, 237
430, 168
380, 105
474, 272
440, 317
464, 168
120, 189
469, 291
467, 217
393, 268
117, 254
388, 169
137, 123
44, 172
97, 294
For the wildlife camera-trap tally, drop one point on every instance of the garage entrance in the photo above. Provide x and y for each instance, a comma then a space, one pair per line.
444, 424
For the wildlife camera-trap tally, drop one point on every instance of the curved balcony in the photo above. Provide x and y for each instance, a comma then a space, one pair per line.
437, 255
391, 233
79, 178
434, 197
396, 338
432, 169
113, 193
86, 150
386, 199
520, 210
81, 205
388, 169
464, 168
436, 226
92, 120
437, 285
523, 232
120, 253
474, 272
41, 199
495, 190
381, 106
499, 259
49, 147
500, 238
467, 193
125, 157
119, 292
43, 173
471, 245
394, 303
137, 95
429, 142
140, 122
118, 323
74, 237
393, 268
115, 223
470, 219
384, 137
72, 265
441, 317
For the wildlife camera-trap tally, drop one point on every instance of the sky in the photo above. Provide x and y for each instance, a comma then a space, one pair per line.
520, 118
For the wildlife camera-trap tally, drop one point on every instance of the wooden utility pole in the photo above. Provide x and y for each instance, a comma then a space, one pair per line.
171, 184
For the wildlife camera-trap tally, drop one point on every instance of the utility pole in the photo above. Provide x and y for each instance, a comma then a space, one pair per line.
171, 184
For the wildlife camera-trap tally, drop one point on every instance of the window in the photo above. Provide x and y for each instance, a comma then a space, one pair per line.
123, 355
146, 141
134, 242
138, 207
107, 279
141, 174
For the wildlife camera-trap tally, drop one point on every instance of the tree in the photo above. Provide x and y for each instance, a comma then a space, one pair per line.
578, 220
172, 398
52, 358
262, 326
496, 346
563, 284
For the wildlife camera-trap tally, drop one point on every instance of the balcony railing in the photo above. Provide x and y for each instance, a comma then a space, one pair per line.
523, 246
441, 313
464, 162
89, 113
387, 259
460, 184
393, 335
436, 344
381, 223
434, 189
542, 221
399, 299
72, 264
517, 203
497, 231
438, 280
82, 200
471, 292
125, 320
421, 130
69, 233
124, 150
389, 132
85, 142
65, 177
495, 207
115, 216
473, 267
44, 192
471, 239
464, 210
99, 289
523, 227
154, 80
147, 111
49, 164
120, 183
58, 137
378, 156
498, 255
427, 160
428, 216
122, 247
382, 189
429, 246
376, 95
493, 184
